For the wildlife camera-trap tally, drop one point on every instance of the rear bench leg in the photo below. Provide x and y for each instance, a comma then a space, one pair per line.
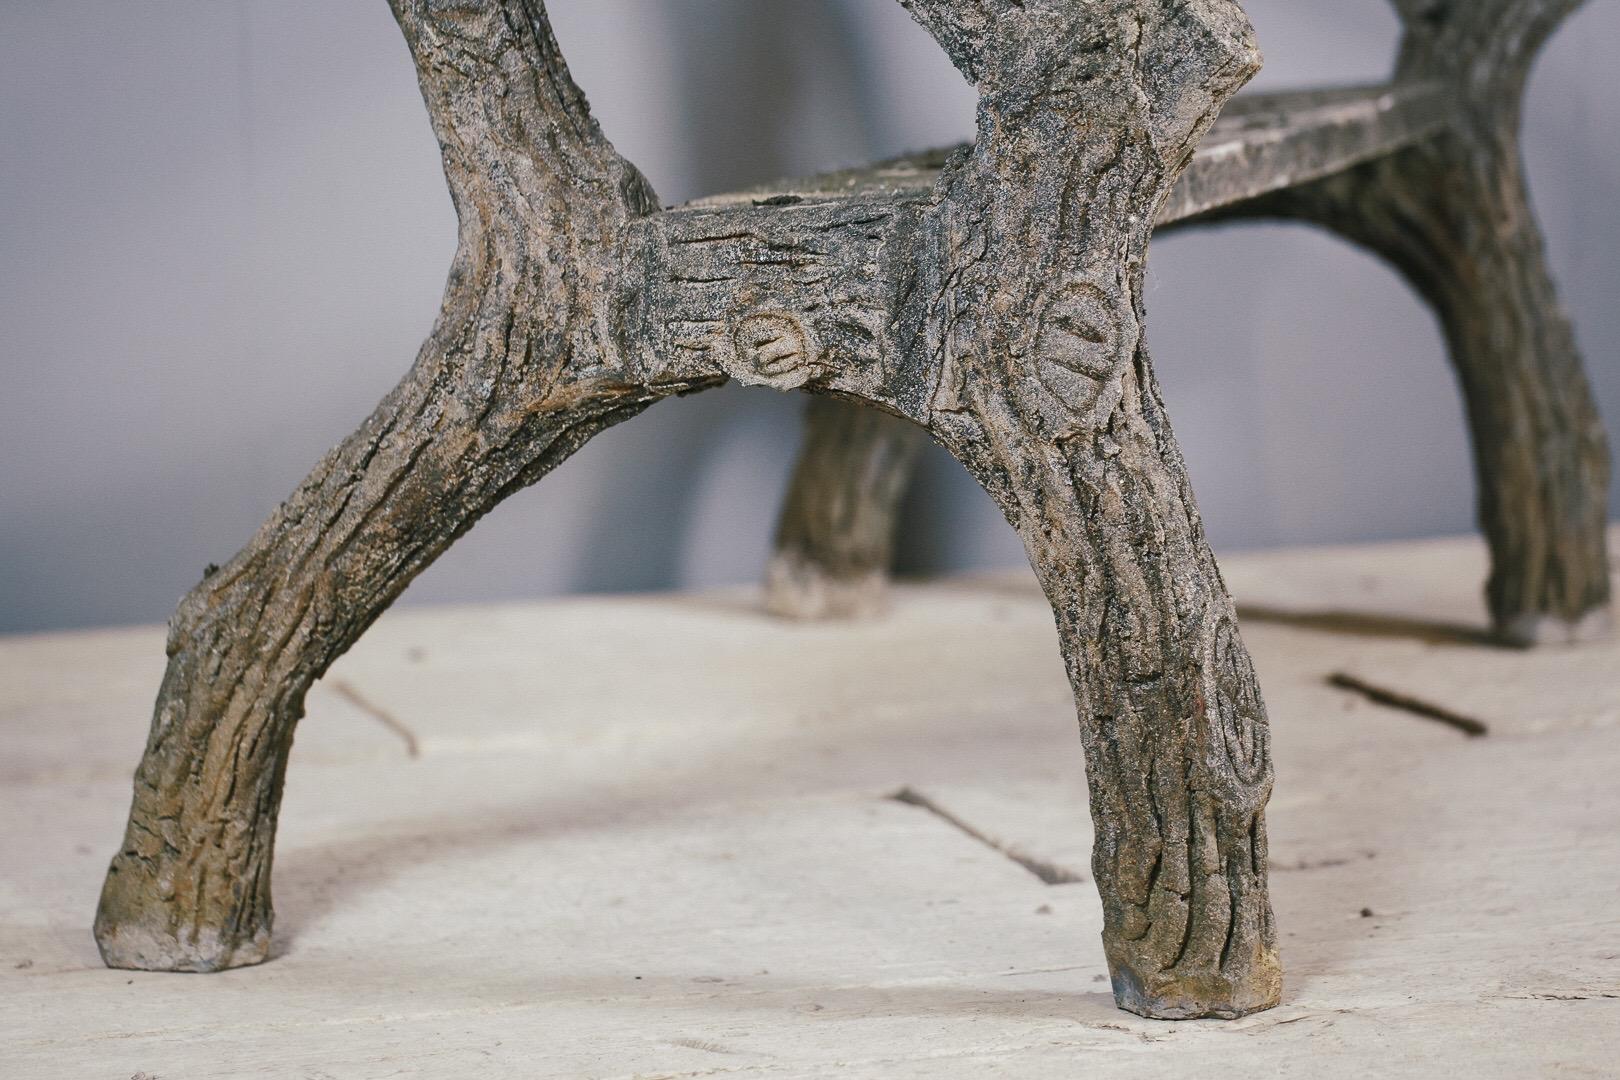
1453, 215
835, 537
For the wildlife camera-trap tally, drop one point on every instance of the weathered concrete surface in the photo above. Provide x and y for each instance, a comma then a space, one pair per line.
595, 870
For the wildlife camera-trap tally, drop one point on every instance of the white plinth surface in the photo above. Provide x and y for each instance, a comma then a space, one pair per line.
653, 837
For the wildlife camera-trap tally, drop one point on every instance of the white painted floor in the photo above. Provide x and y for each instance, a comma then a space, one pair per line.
654, 837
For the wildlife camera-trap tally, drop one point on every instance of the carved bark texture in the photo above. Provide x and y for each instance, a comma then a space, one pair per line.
1047, 395
1426, 173
519, 371
1453, 215
999, 307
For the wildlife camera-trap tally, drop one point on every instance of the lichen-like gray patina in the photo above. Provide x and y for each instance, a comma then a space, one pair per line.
1423, 171
997, 304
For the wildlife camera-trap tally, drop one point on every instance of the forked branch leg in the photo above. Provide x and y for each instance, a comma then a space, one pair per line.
1458, 221
1453, 215
518, 373
1455, 219
189, 889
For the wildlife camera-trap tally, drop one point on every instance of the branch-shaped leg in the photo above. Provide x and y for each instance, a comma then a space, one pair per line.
1462, 231
1454, 217
835, 538
518, 373
1047, 395
1175, 732
189, 889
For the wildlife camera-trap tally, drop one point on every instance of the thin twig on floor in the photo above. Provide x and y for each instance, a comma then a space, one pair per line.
1468, 725
1050, 873
377, 712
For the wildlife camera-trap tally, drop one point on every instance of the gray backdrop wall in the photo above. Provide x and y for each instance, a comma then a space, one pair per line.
223, 234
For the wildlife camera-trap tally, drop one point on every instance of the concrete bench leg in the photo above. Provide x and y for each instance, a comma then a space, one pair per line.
189, 889
835, 538
1453, 216
505, 388
1048, 396
1175, 733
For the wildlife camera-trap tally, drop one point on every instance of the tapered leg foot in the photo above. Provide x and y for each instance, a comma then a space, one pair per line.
189, 889
799, 587
1532, 630
1200, 997
132, 935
